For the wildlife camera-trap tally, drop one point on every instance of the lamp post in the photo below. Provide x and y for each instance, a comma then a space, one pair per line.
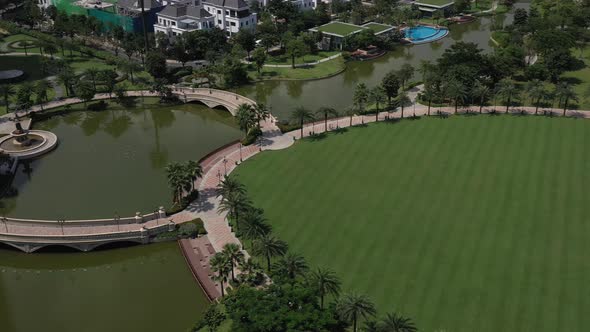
5, 224
117, 219
219, 175
157, 217
224, 166
241, 152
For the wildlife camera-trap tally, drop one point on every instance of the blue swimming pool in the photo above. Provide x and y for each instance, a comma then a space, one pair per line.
425, 34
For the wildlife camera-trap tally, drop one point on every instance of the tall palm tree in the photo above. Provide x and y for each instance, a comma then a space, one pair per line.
325, 282
325, 112
457, 92
194, 171
262, 113
291, 266
480, 91
402, 100
220, 265
428, 94
393, 322
246, 117
177, 180
351, 112
302, 115
361, 95
234, 254
269, 246
565, 93
377, 96
234, 204
230, 186
7, 91
536, 91
352, 306
41, 88
254, 225
506, 89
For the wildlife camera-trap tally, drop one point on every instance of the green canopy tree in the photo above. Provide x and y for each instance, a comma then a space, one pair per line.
302, 115
352, 306
325, 282
268, 247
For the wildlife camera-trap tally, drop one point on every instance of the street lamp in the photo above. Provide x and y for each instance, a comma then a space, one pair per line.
224, 166
157, 217
5, 224
117, 219
219, 175
241, 152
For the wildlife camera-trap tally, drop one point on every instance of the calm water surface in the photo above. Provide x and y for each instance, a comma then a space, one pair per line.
112, 162
142, 288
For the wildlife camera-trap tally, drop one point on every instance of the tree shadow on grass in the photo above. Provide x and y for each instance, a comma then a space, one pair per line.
339, 130
317, 137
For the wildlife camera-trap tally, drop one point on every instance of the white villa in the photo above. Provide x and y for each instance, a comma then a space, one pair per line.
231, 15
178, 18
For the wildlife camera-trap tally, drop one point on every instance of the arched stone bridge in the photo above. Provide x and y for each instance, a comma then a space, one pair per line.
30, 235
212, 97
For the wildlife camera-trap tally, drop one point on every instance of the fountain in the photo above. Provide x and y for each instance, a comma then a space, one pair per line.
25, 144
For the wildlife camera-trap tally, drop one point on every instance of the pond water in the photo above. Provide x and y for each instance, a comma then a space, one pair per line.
337, 91
141, 288
112, 162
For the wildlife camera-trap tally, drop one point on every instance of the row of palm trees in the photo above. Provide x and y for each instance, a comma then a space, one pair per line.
181, 178
505, 90
24, 94
289, 267
251, 116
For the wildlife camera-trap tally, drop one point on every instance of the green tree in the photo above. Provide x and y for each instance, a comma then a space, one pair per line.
393, 322
326, 112
109, 80
325, 282
230, 186
178, 180
51, 49
67, 77
92, 74
402, 100
405, 73
23, 96
457, 92
352, 306
7, 91
428, 94
296, 47
246, 39
361, 96
254, 225
481, 92
194, 171
268, 247
536, 91
290, 266
377, 96
41, 88
259, 57
212, 319
234, 254
234, 205
565, 93
391, 85
85, 91
155, 64
220, 265
261, 112
246, 117
302, 115
506, 89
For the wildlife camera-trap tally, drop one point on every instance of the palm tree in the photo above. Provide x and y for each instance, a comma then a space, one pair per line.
506, 89
246, 117
377, 96
325, 282
177, 180
393, 322
194, 171
403, 99
220, 264
234, 254
254, 225
67, 78
51, 49
428, 94
233, 205
7, 91
41, 88
481, 92
352, 306
351, 111
230, 186
456, 91
326, 111
536, 91
291, 266
262, 113
92, 73
565, 93
268, 246
361, 95
301, 114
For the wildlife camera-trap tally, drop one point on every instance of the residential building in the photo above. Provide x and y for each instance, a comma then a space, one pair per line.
231, 15
305, 4
178, 18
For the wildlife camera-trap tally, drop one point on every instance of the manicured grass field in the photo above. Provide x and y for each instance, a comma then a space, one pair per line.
321, 70
435, 2
465, 224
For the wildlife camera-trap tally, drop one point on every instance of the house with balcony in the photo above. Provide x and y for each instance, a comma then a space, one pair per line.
178, 18
231, 15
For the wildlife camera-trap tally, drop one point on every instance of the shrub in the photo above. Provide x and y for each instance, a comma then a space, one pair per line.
253, 134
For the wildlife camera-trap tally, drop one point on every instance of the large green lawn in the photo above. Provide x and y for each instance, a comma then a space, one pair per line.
465, 224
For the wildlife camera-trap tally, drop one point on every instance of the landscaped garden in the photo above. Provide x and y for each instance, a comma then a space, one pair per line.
464, 224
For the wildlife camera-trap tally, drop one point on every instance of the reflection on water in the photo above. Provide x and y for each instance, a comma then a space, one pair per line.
337, 91
112, 161
142, 288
